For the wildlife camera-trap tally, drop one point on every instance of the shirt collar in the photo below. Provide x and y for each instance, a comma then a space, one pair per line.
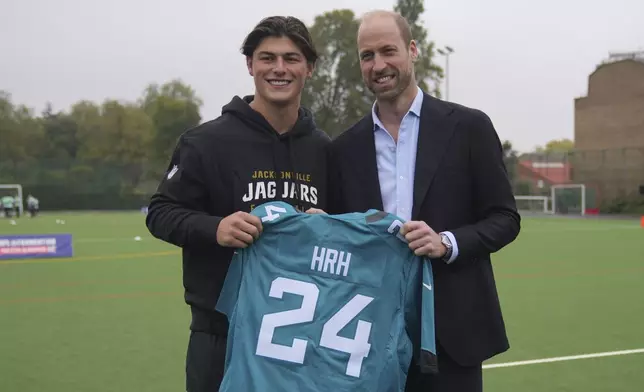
415, 108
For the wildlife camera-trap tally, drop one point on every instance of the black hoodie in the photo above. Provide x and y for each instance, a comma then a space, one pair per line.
230, 164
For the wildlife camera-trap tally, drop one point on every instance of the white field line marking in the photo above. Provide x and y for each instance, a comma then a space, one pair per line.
559, 359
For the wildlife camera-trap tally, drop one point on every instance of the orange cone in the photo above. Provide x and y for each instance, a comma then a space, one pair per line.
642, 222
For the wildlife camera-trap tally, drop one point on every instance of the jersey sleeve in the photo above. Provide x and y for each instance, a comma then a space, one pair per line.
412, 307
419, 313
419, 294
273, 212
230, 289
269, 213
428, 359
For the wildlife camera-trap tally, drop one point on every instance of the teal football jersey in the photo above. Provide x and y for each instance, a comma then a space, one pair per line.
326, 303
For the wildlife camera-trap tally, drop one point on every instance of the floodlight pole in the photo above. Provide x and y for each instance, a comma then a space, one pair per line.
446, 52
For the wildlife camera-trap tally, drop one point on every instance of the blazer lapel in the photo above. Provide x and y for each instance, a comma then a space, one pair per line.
436, 128
366, 166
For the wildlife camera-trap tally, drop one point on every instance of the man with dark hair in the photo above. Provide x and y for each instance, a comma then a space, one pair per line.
439, 166
263, 147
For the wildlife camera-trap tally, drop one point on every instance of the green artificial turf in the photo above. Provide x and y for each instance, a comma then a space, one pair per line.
112, 318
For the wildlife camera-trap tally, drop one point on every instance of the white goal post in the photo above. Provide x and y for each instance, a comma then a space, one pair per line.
540, 203
18, 191
556, 191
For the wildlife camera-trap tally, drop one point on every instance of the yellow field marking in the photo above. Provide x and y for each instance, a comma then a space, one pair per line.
90, 258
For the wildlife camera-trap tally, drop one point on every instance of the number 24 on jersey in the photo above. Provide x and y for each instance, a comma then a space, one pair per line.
357, 348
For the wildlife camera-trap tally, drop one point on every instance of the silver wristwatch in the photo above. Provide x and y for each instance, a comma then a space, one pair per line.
448, 244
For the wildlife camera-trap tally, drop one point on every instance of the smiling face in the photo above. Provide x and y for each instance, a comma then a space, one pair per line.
279, 69
386, 59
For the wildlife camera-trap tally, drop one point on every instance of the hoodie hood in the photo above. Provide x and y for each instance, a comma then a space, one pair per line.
240, 108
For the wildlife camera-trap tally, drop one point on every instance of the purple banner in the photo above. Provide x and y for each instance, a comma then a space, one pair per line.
35, 246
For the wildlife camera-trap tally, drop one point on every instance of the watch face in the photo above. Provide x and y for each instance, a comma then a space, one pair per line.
445, 240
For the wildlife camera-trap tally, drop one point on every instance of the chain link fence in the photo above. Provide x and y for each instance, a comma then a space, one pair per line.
61, 184
614, 178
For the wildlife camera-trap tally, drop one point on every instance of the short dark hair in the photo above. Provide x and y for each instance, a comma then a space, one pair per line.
401, 22
404, 27
281, 26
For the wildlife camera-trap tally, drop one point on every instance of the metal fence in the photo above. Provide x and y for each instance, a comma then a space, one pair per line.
612, 176
614, 173
63, 184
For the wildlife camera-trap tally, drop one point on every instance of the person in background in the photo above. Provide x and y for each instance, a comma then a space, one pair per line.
33, 206
16, 206
439, 166
7, 205
263, 147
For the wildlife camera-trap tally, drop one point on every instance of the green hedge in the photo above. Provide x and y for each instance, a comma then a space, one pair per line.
62, 198
633, 205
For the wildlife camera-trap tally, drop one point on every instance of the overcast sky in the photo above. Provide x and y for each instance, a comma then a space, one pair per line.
521, 62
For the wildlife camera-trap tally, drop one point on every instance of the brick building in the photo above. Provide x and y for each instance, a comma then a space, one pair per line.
609, 131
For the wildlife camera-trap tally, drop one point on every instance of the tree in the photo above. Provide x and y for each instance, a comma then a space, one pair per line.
128, 132
510, 159
173, 108
12, 148
87, 116
556, 145
428, 73
560, 145
335, 93
60, 132
95, 155
31, 138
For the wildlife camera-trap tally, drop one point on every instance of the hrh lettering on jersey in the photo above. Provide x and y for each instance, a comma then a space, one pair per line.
294, 188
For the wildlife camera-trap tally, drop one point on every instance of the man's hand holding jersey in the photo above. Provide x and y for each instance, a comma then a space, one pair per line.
241, 229
238, 230
315, 211
423, 240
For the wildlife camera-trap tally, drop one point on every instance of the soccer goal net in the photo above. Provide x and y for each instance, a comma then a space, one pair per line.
533, 204
13, 191
569, 199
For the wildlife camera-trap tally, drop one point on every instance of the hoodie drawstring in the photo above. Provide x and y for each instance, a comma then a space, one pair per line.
277, 151
291, 155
